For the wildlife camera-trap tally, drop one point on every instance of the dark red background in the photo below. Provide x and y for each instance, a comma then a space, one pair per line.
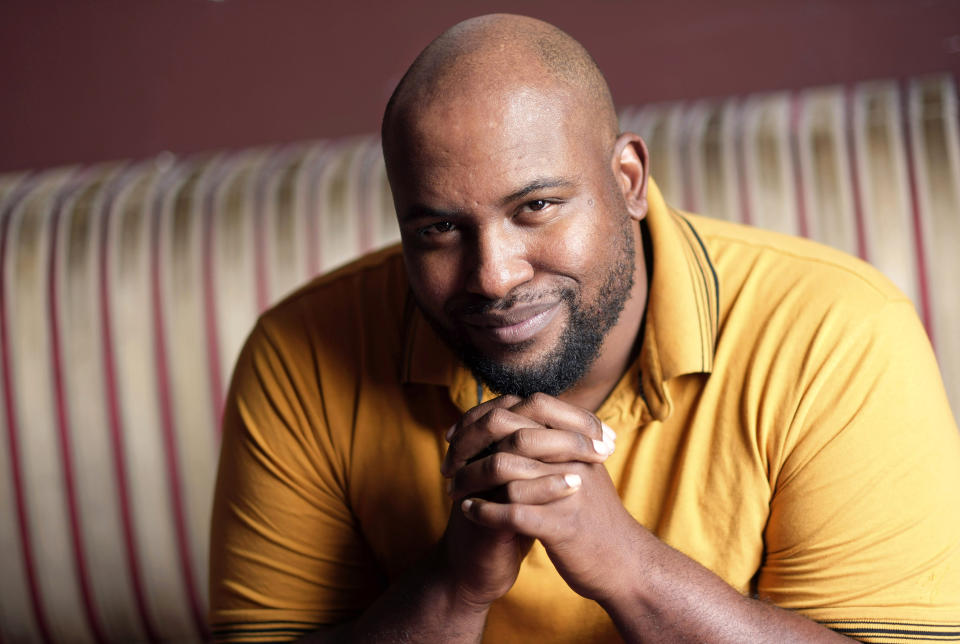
105, 79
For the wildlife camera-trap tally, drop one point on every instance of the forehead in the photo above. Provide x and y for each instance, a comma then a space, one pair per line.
484, 146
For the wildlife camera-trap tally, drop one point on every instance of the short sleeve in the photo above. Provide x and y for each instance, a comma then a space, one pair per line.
864, 526
286, 554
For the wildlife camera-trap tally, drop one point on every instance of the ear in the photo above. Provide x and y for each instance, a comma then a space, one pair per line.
631, 170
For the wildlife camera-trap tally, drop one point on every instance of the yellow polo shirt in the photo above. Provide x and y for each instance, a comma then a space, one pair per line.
785, 425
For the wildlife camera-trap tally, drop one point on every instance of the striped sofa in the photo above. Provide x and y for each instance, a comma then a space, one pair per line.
127, 289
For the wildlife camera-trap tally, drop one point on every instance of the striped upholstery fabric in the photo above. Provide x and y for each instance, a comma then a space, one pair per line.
127, 289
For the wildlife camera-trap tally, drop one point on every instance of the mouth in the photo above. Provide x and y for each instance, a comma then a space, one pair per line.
517, 325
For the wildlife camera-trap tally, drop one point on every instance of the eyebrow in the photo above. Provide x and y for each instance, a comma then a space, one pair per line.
422, 211
535, 185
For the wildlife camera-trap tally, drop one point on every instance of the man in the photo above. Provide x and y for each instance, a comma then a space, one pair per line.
661, 427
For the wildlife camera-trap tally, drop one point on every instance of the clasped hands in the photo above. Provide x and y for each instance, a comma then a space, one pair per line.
532, 468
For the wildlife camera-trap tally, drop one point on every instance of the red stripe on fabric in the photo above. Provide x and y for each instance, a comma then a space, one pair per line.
167, 422
209, 303
796, 108
922, 281
26, 544
64, 428
740, 152
114, 417
849, 123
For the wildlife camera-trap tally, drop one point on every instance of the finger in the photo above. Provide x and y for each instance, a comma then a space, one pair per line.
555, 445
545, 489
472, 415
528, 520
553, 412
494, 471
470, 439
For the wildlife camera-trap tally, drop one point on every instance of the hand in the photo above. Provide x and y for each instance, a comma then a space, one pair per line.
524, 427
545, 479
484, 562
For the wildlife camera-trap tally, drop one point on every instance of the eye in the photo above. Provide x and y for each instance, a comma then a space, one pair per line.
537, 204
436, 229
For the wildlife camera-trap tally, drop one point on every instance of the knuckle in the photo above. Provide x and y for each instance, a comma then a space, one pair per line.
539, 400
510, 400
513, 492
593, 423
496, 417
516, 514
522, 441
496, 465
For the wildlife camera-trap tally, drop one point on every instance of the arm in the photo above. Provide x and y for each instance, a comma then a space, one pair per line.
423, 606
286, 555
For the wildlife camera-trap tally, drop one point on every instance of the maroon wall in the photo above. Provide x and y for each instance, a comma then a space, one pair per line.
102, 79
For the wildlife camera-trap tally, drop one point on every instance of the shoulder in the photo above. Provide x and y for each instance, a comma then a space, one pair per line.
770, 269
341, 321
368, 293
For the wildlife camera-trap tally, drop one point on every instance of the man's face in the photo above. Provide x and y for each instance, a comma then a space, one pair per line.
517, 242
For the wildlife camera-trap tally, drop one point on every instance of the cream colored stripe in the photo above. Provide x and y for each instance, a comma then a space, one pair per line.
285, 251
234, 253
769, 168
340, 226
629, 119
9, 183
659, 126
16, 613
307, 207
42, 467
713, 172
701, 142
379, 222
729, 136
194, 419
933, 124
85, 390
881, 158
825, 166
136, 371
387, 229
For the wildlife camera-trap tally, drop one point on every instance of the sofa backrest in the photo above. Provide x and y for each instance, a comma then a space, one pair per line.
127, 289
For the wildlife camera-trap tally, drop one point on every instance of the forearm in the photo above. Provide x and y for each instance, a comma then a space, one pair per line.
675, 599
422, 606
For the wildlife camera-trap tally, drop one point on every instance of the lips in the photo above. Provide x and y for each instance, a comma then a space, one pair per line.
516, 325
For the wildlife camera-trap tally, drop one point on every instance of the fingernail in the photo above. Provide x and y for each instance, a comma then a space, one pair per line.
572, 480
608, 434
465, 506
603, 448
449, 433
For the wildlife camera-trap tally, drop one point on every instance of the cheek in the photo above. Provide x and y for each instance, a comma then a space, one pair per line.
432, 279
573, 250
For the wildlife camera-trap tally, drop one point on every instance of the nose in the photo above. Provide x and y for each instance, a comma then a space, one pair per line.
500, 263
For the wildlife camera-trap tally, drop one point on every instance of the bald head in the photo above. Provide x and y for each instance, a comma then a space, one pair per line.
494, 55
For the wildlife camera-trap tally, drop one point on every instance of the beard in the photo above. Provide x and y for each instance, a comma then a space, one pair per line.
580, 341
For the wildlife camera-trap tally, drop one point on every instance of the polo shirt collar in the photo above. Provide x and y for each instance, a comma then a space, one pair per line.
681, 327
682, 305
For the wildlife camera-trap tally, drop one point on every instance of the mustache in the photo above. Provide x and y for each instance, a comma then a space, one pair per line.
474, 305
